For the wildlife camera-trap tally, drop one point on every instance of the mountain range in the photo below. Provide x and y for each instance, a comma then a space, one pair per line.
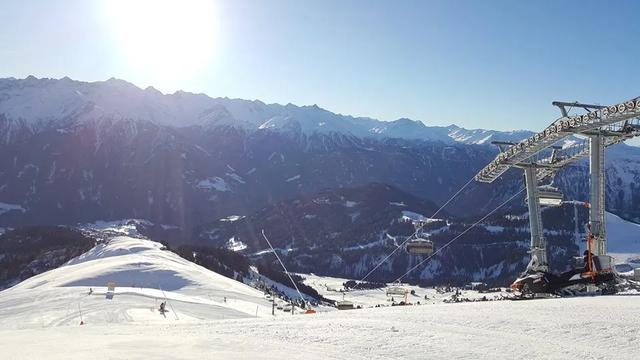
33, 105
76, 152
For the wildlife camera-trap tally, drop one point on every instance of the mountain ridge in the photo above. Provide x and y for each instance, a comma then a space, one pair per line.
83, 161
40, 103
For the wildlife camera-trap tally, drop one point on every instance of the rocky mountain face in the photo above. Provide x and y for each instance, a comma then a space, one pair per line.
183, 177
622, 179
73, 152
330, 219
78, 152
346, 232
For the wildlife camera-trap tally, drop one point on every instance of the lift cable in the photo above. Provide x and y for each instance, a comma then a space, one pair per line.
417, 230
460, 235
283, 267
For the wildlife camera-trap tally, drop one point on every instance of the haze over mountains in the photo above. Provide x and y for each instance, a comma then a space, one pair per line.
111, 150
39, 103
73, 152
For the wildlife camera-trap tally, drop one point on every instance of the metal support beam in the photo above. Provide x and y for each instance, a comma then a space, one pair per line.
596, 193
538, 243
597, 117
562, 105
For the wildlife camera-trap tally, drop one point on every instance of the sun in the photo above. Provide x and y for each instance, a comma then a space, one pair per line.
164, 40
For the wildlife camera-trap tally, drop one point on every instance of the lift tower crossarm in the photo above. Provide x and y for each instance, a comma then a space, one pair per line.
603, 127
544, 172
566, 126
562, 105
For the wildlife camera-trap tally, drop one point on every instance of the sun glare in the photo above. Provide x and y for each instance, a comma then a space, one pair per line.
167, 41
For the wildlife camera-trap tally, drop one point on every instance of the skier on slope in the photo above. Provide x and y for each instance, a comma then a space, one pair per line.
162, 306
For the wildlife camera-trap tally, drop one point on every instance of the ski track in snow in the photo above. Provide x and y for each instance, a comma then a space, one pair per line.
144, 275
213, 317
598, 327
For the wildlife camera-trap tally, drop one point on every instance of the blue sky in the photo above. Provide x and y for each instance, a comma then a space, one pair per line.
479, 64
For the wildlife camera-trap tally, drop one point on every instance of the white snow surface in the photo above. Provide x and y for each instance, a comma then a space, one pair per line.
120, 227
232, 218
235, 245
350, 203
332, 288
215, 183
414, 216
622, 236
5, 207
40, 318
395, 203
544, 329
144, 275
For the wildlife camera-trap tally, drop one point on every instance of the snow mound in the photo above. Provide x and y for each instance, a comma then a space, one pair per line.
144, 274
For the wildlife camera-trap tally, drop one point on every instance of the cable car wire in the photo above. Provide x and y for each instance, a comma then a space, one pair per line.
417, 230
460, 235
283, 267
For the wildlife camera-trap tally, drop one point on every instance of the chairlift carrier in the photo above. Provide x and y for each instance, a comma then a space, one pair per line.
549, 196
396, 290
420, 246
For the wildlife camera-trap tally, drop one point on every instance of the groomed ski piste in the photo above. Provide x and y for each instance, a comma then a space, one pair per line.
41, 317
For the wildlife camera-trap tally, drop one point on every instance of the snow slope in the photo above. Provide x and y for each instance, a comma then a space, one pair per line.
622, 236
623, 243
144, 275
40, 317
574, 328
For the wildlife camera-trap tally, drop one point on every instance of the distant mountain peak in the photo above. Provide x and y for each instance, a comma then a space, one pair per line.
48, 102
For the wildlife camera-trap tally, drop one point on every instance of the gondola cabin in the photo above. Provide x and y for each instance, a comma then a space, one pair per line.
420, 246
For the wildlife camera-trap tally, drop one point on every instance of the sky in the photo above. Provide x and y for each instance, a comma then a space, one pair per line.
478, 64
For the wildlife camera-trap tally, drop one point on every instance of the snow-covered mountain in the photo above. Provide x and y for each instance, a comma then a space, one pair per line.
72, 313
345, 232
78, 152
33, 105
74, 152
144, 274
